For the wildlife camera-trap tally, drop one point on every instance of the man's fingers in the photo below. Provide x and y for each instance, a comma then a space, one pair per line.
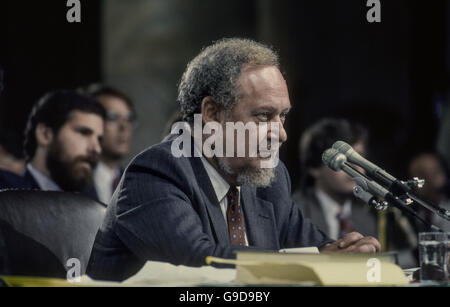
354, 243
365, 245
372, 242
350, 239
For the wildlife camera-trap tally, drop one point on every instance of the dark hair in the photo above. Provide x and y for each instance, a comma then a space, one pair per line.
97, 89
322, 135
54, 110
439, 158
216, 70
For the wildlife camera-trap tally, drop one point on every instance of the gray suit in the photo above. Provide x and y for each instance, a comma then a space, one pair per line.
165, 209
362, 219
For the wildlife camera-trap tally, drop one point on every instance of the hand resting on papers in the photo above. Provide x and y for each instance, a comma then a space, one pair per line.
353, 242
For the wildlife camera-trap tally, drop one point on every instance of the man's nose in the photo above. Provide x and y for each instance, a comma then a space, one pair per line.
283, 134
277, 130
95, 146
124, 124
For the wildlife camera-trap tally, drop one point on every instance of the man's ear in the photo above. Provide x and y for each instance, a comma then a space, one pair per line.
44, 135
211, 111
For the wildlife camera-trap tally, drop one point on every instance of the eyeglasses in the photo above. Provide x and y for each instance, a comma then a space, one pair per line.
113, 117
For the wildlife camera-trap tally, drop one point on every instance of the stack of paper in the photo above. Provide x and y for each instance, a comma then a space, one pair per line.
324, 269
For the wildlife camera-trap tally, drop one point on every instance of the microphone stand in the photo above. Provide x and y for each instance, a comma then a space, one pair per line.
362, 193
404, 207
399, 188
398, 194
372, 188
443, 213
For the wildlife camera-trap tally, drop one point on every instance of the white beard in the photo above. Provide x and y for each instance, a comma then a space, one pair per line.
259, 177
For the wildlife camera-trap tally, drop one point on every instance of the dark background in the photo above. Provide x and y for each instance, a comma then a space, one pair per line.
391, 76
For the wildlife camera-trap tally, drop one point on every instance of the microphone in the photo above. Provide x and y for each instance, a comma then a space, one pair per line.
357, 159
338, 161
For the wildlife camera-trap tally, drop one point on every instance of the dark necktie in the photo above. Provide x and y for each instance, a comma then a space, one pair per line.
235, 218
345, 225
115, 182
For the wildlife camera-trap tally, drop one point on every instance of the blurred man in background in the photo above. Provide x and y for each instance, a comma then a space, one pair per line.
118, 133
62, 144
326, 196
430, 166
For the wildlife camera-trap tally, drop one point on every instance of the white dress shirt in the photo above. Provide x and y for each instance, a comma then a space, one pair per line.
331, 210
221, 188
44, 183
103, 181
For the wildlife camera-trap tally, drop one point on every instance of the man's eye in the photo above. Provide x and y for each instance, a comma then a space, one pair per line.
263, 116
111, 116
85, 132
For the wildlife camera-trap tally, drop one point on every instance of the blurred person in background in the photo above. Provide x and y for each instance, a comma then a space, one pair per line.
118, 133
62, 144
326, 196
431, 167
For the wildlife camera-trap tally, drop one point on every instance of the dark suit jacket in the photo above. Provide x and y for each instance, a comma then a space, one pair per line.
165, 209
26, 181
362, 219
9, 180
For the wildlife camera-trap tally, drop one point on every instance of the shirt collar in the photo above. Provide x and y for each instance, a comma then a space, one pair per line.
219, 184
331, 207
45, 183
102, 170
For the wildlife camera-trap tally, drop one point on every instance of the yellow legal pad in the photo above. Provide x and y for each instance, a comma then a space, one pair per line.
25, 281
31, 281
324, 269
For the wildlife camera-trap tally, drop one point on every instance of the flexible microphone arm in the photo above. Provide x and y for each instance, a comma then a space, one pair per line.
397, 187
338, 161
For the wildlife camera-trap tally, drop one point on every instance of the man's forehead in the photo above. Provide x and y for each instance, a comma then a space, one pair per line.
77, 117
265, 83
113, 102
258, 78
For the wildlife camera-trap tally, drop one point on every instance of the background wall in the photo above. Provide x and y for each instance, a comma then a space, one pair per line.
390, 75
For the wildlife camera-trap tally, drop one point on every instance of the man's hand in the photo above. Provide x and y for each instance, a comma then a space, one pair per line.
353, 242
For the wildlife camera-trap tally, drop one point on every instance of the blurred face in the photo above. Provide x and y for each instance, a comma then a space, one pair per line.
75, 151
118, 127
337, 183
428, 167
264, 100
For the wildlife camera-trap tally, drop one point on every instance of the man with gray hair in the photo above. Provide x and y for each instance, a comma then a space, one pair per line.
182, 208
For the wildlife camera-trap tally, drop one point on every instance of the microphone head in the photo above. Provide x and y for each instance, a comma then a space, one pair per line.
342, 147
333, 159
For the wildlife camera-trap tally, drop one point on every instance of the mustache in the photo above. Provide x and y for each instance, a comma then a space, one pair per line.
91, 159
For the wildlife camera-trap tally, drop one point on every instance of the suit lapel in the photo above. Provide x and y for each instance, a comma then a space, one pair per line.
210, 199
317, 214
259, 220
